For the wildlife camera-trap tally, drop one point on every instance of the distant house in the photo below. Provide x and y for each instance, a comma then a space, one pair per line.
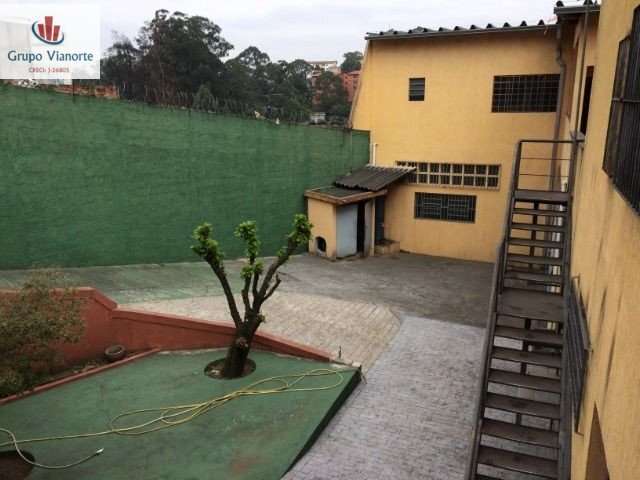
350, 82
321, 66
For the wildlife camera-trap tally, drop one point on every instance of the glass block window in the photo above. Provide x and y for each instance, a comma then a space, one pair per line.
454, 174
525, 93
437, 206
416, 89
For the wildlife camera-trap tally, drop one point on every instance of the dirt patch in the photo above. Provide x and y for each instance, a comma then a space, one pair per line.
12, 467
214, 369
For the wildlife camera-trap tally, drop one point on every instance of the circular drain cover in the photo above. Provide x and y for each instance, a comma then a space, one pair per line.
12, 467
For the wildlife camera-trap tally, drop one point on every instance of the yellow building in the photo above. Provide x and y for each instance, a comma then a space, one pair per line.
606, 240
453, 103
455, 106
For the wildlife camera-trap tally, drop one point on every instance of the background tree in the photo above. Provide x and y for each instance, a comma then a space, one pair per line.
121, 67
331, 96
204, 100
259, 285
352, 61
175, 55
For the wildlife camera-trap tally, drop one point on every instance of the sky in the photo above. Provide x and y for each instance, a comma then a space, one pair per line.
314, 29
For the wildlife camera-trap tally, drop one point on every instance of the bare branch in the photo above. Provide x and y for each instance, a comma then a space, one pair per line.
245, 294
273, 288
228, 293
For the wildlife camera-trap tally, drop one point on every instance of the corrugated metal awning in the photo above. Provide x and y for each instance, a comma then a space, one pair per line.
373, 178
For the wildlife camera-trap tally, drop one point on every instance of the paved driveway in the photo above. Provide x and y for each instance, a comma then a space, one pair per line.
414, 322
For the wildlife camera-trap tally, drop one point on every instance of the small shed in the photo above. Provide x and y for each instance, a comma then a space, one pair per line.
348, 216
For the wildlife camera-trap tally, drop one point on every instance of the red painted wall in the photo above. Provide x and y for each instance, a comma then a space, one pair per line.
106, 324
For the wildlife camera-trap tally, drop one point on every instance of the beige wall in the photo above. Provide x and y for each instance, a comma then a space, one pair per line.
323, 217
454, 124
606, 259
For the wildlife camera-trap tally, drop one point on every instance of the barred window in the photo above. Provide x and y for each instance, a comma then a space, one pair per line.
622, 150
416, 89
437, 206
525, 93
467, 175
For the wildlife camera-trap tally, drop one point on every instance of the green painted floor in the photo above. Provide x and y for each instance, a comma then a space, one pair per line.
142, 283
255, 437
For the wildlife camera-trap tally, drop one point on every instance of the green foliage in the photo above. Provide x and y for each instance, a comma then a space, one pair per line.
352, 61
331, 96
204, 100
176, 55
207, 248
173, 53
32, 320
248, 231
301, 232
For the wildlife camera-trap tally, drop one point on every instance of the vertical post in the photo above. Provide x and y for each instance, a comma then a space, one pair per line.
516, 167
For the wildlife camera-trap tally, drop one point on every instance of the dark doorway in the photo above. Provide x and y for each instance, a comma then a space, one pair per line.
379, 228
360, 233
586, 100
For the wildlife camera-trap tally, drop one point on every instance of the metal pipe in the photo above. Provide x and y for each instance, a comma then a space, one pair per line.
582, 60
556, 128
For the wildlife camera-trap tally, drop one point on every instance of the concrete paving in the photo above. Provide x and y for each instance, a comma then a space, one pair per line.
433, 287
353, 331
413, 416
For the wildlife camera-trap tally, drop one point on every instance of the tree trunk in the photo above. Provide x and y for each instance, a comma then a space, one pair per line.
236, 356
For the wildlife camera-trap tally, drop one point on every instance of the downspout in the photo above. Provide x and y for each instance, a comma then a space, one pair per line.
582, 61
556, 128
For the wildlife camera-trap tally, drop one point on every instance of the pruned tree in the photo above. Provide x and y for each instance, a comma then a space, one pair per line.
259, 284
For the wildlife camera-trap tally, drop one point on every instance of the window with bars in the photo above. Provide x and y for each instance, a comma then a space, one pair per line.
525, 93
622, 150
437, 206
416, 89
466, 175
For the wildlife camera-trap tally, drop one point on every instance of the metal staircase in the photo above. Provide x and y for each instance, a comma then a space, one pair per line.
519, 432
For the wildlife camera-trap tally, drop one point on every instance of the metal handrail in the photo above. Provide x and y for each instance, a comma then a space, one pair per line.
497, 280
537, 140
497, 286
565, 427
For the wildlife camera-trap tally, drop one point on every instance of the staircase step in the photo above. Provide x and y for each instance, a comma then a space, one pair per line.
540, 260
542, 213
533, 305
519, 433
527, 242
517, 462
532, 336
541, 196
485, 477
522, 406
532, 287
537, 227
534, 277
532, 382
532, 358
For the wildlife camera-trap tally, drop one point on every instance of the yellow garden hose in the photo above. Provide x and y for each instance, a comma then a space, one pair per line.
177, 415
